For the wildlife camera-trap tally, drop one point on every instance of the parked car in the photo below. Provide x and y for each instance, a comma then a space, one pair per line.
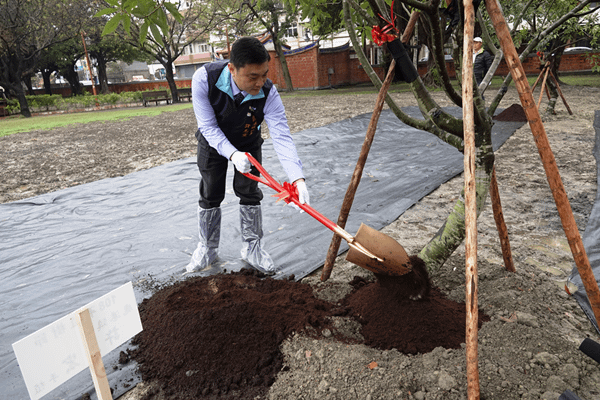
447, 57
578, 49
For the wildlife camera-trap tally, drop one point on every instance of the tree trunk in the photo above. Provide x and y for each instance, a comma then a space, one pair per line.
452, 232
274, 30
102, 78
284, 67
47, 84
22, 101
171, 81
27, 82
71, 76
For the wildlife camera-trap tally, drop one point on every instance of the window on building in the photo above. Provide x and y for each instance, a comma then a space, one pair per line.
292, 31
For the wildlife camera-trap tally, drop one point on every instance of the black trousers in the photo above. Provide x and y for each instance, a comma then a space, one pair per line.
213, 174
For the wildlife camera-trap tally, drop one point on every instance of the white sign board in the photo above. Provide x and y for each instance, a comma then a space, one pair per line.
55, 353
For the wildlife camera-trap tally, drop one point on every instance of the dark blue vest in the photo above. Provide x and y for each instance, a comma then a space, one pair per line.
241, 125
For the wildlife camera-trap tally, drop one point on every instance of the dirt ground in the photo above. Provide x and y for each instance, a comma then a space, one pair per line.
527, 350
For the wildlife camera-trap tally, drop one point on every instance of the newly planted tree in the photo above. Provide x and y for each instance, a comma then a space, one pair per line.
444, 24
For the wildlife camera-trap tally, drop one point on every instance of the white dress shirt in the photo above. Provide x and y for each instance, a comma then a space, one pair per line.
275, 118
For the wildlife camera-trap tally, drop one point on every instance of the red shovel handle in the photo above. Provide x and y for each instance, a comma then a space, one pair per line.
287, 193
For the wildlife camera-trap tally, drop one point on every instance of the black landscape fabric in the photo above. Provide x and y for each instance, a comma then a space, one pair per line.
591, 238
62, 250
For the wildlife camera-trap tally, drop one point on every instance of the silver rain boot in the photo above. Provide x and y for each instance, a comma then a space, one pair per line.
252, 251
209, 230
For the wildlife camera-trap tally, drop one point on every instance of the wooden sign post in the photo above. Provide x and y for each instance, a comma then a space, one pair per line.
92, 352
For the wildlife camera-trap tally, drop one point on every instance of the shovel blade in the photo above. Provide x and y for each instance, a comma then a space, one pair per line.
395, 260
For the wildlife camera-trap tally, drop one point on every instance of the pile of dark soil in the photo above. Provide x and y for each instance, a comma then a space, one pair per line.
513, 113
219, 337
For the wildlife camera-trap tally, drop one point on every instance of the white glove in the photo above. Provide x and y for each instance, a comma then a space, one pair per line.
303, 196
241, 162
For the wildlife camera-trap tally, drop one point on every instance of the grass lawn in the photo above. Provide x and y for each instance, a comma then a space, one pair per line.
16, 124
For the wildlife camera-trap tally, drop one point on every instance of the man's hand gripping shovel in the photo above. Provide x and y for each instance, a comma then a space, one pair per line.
369, 249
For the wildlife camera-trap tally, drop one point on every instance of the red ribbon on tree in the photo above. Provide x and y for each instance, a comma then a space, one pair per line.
383, 35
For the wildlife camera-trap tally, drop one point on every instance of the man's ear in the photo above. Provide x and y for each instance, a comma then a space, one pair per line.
231, 68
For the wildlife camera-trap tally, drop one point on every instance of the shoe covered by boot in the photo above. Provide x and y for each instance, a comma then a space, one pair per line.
209, 230
252, 233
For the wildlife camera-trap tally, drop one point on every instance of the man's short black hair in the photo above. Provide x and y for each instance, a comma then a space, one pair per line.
248, 50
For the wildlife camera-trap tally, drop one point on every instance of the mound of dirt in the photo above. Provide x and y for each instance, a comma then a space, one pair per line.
219, 337
513, 113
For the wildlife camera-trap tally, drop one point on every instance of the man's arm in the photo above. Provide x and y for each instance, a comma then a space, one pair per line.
282, 138
205, 116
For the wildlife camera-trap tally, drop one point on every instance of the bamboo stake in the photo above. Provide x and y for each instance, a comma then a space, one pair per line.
541, 140
542, 88
539, 77
470, 206
500, 225
356, 176
352, 187
410, 27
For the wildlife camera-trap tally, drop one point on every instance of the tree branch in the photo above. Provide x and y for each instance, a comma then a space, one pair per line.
437, 42
358, 9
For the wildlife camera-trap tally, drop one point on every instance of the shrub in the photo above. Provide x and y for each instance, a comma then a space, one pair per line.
43, 101
13, 106
46, 102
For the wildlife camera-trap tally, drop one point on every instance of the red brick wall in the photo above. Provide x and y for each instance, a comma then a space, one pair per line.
302, 67
310, 69
360, 76
531, 65
334, 69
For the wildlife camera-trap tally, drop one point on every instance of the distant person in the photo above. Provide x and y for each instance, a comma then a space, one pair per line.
231, 100
482, 60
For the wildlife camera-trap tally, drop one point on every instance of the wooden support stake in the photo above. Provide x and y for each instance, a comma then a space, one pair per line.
500, 225
539, 77
355, 180
542, 88
541, 140
410, 26
471, 279
560, 92
92, 352
362, 158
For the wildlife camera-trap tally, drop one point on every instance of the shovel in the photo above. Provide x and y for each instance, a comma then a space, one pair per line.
369, 249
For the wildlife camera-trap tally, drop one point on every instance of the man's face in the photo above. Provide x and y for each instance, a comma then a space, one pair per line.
250, 77
477, 45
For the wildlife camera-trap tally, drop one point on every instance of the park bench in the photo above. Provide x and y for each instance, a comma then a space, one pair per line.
184, 93
155, 96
